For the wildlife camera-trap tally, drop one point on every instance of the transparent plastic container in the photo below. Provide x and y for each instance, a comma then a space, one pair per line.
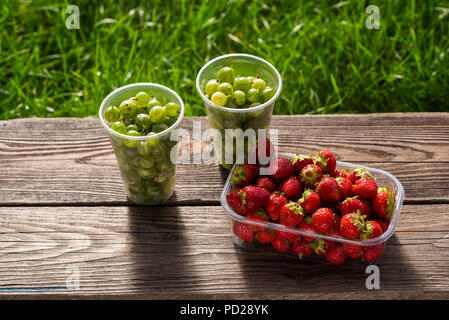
147, 164
222, 118
382, 178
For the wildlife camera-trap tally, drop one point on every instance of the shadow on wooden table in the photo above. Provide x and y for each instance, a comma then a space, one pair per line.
270, 272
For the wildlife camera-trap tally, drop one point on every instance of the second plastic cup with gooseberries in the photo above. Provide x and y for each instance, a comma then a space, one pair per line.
147, 163
221, 117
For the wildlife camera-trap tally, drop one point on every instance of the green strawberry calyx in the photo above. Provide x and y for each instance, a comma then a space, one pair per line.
262, 214
321, 161
358, 220
363, 173
238, 175
297, 158
318, 246
295, 207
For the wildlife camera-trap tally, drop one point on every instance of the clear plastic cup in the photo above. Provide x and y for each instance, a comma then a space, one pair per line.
222, 118
148, 163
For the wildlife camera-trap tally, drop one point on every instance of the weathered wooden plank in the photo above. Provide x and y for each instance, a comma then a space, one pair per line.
167, 252
70, 161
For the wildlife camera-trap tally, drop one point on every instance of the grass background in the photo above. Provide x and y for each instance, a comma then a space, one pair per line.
329, 61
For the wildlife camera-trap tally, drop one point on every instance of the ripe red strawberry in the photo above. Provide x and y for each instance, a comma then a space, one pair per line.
372, 230
321, 247
340, 173
281, 168
243, 231
326, 160
266, 183
265, 236
310, 201
352, 225
365, 189
345, 187
358, 174
336, 227
372, 253
329, 190
274, 205
354, 251
383, 224
337, 255
291, 187
383, 202
290, 237
243, 175
353, 204
302, 249
259, 216
254, 198
300, 162
323, 220
292, 214
235, 201
280, 245
310, 175
306, 225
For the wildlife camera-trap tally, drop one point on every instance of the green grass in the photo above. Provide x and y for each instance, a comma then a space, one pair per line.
329, 61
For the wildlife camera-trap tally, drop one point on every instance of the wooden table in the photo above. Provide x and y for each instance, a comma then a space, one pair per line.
63, 209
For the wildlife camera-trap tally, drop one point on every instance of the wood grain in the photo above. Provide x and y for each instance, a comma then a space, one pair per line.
187, 252
70, 161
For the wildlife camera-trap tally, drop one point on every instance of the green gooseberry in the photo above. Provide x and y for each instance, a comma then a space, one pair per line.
152, 142
112, 114
169, 121
172, 109
128, 109
131, 143
147, 173
142, 98
158, 114
239, 97
211, 87
253, 95
159, 127
146, 163
251, 79
132, 127
143, 120
119, 127
258, 84
226, 74
225, 87
153, 103
268, 93
242, 83
219, 98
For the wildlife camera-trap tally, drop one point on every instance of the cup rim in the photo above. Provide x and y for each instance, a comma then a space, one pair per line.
148, 85
245, 110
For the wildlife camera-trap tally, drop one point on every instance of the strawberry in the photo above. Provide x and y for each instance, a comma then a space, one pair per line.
310, 201
235, 201
300, 162
243, 231
337, 255
334, 206
329, 190
243, 175
310, 175
383, 224
372, 230
354, 251
358, 174
323, 220
302, 249
259, 216
265, 236
326, 161
280, 245
289, 237
291, 187
345, 186
365, 189
340, 173
352, 225
321, 247
291, 214
266, 183
254, 198
372, 253
336, 227
383, 202
274, 205
306, 225
353, 204
281, 168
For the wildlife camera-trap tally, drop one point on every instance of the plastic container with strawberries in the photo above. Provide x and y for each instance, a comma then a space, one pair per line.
311, 221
